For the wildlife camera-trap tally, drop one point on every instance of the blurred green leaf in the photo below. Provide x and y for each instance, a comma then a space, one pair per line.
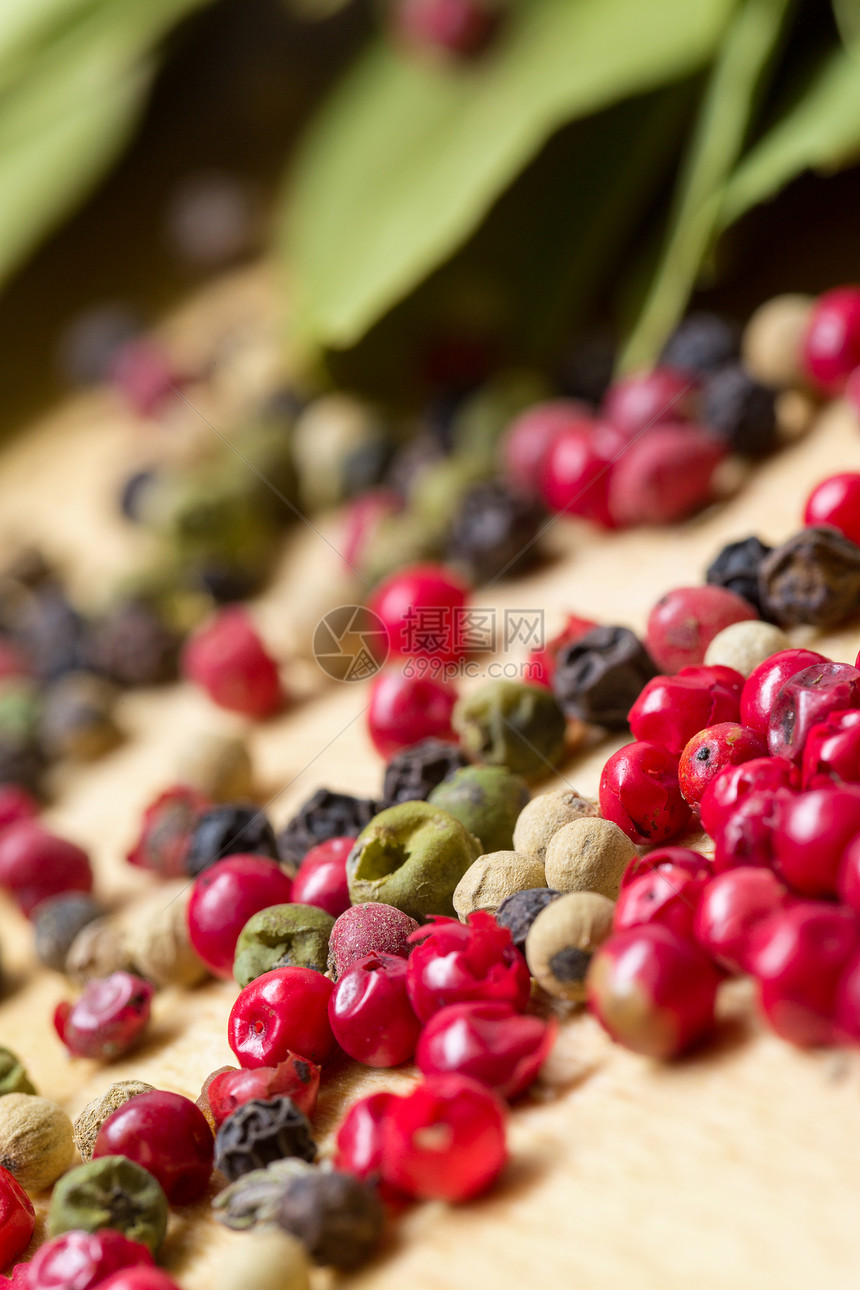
723, 123
406, 159
847, 14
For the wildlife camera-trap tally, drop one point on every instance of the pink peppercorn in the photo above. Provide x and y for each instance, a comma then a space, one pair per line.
294, 1077
16, 804
490, 1042
836, 501
664, 858
639, 792
321, 879
282, 1012
12, 663
445, 1140
371, 928
541, 663
421, 608
227, 659
806, 699
831, 751
457, 963
813, 831
139, 1279
529, 438
108, 1019
732, 906
683, 623
404, 710
223, 898
166, 829
166, 1134
831, 346
846, 1007
764, 683
83, 1260
712, 750
370, 1013
17, 1218
652, 990
363, 517
35, 865
575, 477
671, 709
358, 1145
848, 878
635, 403
662, 477
746, 834
732, 783
668, 896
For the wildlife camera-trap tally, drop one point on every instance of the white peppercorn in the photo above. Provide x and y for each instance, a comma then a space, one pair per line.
544, 815
98, 950
92, 1117
267, 1259
771, 345
563, 938
158, 941
218, 766
589, 855
494, 877
744, 645
36, 1141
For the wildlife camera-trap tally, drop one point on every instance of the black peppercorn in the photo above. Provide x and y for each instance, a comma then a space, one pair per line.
56, 923
736, 568
325, 815
702, 343
493, 532
740, 410
51, 632
812, 579
599, 677
260, 1132
412, 774
518, 911
338, 1219
234, 828
133, 646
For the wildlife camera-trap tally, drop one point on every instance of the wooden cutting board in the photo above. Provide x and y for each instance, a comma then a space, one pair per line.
738, 1167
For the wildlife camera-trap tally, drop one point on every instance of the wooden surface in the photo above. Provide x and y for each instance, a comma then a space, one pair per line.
735, 1168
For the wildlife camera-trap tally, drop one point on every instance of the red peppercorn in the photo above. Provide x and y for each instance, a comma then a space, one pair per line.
145, 377
227, 659
798, 957
836, 501
370, 1013
831, 751
662, 477
166, 830
445, 1140
710, 751
358, 1145
732, 906
459, 28
764, 683
846, 1010
813, 832
17, 1218
639, 792
371, 928
671, 709
83, 1260
490, 1042
730, 785
294, 1077
575, 477
321, 879
35, 865
404, 710
664, 858
683, 623
806, 699
166, 1134
12, 663
831, 346
541, 663
139, 1279
223, 898
668, 896
16, 804
283, 1012
363, 517
635, 403
529, 438
421, 609
746, 834
457, 963
108, 1019
652, 990
848, 878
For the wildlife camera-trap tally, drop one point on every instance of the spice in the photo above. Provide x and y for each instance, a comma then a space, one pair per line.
772, 340
639, 792
108, 1019
488, 1042
166, 830
84, 1260
406, 708
520, 910
730, 785
321, 879
765, 682
224, 897
504, 723
668, 895
77, 717
94, 1114
831, 751
264, 1260
742, 646
325, 815
665, 475
710, 751
831, 343
35, 865
371, 928
672, 709
417, 595
111, 1192
56, 923
335, 1216
457, 963
543, 816
494, 532
485, 799
413, 773
229, 661
13, 1076
282, 936
370, 1013
229, 829
228, 1089
563, 938
133, 646
813, 579
588, 855
636, 402
17, 1219
836, 502
740, 410
411, 856
98, 950
598, 677
701, 342
575, 474
36, 1143
219, 767
683, 623
811, 836
281, 1014
166, 1134
158, 940
492, 879
254, 1197
326, 433
260, 1132
735, 568
807, 698
731, 909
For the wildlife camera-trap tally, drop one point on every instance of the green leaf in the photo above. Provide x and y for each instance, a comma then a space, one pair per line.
406, 159
723, 123
847, 14
819, 131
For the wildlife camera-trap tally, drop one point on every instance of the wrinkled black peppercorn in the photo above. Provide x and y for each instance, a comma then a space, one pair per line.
493, 532
812, 579
736, 568
260, 1132
599, 677
702, 343
133, 646
57, 922
324, 815
337, 1218
519, 911
228, 830
51, 633
740, 410
412, 774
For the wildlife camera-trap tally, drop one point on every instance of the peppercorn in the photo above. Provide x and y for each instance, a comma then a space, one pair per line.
56, 923
264, 1260
487, 800
20, 711
110, 1192
813, 579
325, 815
132, 494
740, 410
77, 718
412, 774
504, 723
133, 646
13, 1076
255, 1196
742, 646
599, 677
562, 939
494, 532
21, 762
157, 939
99, 949
282, 936
589, 855
217, 766
230, 829
736, 569
772, 341
701, 343
492, 879
402, 537
92, 1117
51, 633
371, 928
261, 1132
411, 856
519, 911
543, 816
36, 1143
325, 434
336, 1217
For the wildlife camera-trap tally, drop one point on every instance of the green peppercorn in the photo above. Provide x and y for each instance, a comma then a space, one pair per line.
505, 723
282, 936
114, 1192
487, 800
255, 1197
13, 1076
411, 856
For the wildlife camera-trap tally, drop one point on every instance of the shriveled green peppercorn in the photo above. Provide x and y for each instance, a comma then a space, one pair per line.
114, 1192
282, 936
13, 1076
337, 1218
505, 723
487, 800
256, 1196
